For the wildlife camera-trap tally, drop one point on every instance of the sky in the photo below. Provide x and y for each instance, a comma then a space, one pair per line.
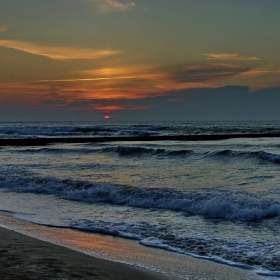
142, 60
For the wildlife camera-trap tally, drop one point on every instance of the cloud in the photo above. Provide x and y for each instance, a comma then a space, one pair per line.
3, 27
125, 83
54, 102
101, 105
108, 108
203, 73
112, 108
109, 6
56, 52
224, 103
261, 72
159, 79
227, 56
79, 80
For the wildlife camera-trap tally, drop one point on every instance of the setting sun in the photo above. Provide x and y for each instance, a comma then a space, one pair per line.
106, 117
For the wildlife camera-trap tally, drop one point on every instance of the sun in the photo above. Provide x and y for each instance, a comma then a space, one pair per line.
107, 117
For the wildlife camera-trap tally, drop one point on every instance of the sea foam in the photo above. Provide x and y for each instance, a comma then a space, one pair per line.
209, 203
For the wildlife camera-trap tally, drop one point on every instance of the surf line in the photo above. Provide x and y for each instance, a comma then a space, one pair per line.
45, 141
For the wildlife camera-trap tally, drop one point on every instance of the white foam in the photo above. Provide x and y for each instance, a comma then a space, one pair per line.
214, 204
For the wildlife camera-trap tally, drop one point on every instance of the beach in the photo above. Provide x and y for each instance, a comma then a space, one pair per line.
184, 209
139, 139
25, 257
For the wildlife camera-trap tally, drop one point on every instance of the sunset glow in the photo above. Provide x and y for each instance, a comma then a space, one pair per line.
151, 120
76, 68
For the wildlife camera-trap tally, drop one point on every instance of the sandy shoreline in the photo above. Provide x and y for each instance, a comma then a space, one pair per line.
24, 257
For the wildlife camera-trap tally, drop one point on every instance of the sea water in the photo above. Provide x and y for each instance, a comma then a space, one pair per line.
218, 200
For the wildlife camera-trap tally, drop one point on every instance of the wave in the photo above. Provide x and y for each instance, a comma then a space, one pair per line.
138, 151
210, 204
123, 151
270, 157
137, 130
25, 130
275, 158
159, 236
232, 153
35, 131
215, 248
80, 129
51, 150
129, 151
116, 130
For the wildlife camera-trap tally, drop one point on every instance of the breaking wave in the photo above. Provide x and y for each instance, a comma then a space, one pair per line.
119, 150
270, 157
138, 151
210, 204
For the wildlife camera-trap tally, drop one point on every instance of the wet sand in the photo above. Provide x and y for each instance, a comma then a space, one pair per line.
23, 257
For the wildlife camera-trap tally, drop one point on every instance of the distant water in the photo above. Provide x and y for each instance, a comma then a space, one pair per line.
215, 199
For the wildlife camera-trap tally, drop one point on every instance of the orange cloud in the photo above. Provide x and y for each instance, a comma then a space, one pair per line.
121, 83
253, 72
227, 56
109, 6
155, 79
80, 80
108, 108
54, 52
112, 89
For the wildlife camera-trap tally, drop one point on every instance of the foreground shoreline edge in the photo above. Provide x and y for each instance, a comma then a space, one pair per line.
27, 251
31, 258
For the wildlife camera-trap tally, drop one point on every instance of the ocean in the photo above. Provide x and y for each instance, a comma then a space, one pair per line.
217, 200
